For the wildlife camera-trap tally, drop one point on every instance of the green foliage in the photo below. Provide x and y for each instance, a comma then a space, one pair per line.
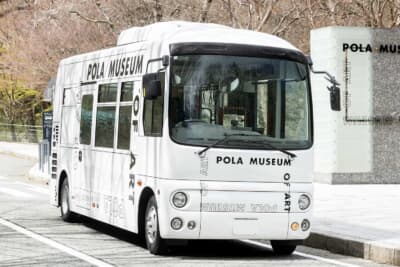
17, 102
3, 49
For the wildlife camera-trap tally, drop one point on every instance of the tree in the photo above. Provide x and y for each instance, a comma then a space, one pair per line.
38, 34
18, 104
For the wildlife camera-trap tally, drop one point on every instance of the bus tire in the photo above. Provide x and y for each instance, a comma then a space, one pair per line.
283, 247
155, 244
66, 213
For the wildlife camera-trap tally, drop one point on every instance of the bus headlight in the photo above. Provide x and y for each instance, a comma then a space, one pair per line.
179, 199
304, 202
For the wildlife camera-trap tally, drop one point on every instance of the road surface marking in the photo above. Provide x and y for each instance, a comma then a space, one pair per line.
97, 262
30, 187
36, 189
55, 244
15, 193
304, 255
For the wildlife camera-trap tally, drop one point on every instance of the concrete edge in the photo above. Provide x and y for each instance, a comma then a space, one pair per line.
355, 248
35, 175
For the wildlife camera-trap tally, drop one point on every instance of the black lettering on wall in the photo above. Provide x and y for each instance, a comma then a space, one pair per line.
384, 49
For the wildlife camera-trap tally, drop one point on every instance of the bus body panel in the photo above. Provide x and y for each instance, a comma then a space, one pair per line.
107, 183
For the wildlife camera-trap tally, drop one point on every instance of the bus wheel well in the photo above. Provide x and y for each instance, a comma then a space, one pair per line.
147, 193
63, 176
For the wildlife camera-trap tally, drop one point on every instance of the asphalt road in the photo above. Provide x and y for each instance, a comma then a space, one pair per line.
32, 233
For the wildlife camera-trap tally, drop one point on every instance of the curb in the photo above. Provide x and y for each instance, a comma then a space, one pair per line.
31, 175
355, 248
35, 175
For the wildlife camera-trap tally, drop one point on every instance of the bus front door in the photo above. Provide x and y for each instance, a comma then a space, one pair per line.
83, 179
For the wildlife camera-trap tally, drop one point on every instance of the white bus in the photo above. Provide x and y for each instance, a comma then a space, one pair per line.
187, 131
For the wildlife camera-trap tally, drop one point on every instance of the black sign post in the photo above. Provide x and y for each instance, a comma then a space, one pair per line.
47, 122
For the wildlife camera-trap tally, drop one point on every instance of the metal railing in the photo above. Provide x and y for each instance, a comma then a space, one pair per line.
20, 133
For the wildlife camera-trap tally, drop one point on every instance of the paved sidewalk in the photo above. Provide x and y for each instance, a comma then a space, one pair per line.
27, 151
356, 220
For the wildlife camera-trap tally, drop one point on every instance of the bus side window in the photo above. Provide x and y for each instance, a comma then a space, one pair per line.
86, 120
153, 112
105, 116
125, 116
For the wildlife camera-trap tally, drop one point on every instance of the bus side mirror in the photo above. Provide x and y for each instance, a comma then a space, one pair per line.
335, 98
151, 86
333, 89
165, 61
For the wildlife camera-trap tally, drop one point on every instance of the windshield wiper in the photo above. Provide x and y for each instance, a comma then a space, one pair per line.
227, 136
290, 154
223, 140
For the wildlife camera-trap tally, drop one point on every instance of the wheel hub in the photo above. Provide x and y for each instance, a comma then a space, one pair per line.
64, 200
151, 225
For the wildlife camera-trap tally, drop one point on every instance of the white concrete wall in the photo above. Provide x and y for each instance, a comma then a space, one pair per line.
342, 147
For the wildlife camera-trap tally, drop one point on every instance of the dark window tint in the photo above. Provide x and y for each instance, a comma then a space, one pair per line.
105, 120
126, 91
108, 92
86, 119
124, 127
153, 112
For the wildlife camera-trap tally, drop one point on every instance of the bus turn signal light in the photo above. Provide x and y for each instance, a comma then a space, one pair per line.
294, 226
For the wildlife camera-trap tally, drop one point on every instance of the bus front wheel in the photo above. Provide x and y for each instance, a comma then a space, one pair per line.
66, 213
155, 244
283, 247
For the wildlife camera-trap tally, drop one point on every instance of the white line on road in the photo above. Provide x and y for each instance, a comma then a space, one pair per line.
30, 187
15, 193
97, 262
36, 189
305, 255
54, 244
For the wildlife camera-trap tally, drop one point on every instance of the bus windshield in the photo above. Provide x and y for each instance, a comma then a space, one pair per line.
257, 100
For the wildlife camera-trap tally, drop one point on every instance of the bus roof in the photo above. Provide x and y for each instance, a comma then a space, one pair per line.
183, 32
173, 32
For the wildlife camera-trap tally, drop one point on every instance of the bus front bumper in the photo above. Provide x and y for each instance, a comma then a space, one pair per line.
235, 214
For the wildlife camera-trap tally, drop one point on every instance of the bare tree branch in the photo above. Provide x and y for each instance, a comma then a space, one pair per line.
92, 19
204, 10
13, 9
267, 14
157, 11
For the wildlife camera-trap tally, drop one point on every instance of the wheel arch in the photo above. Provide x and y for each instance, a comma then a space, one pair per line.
145, 195
62, 177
